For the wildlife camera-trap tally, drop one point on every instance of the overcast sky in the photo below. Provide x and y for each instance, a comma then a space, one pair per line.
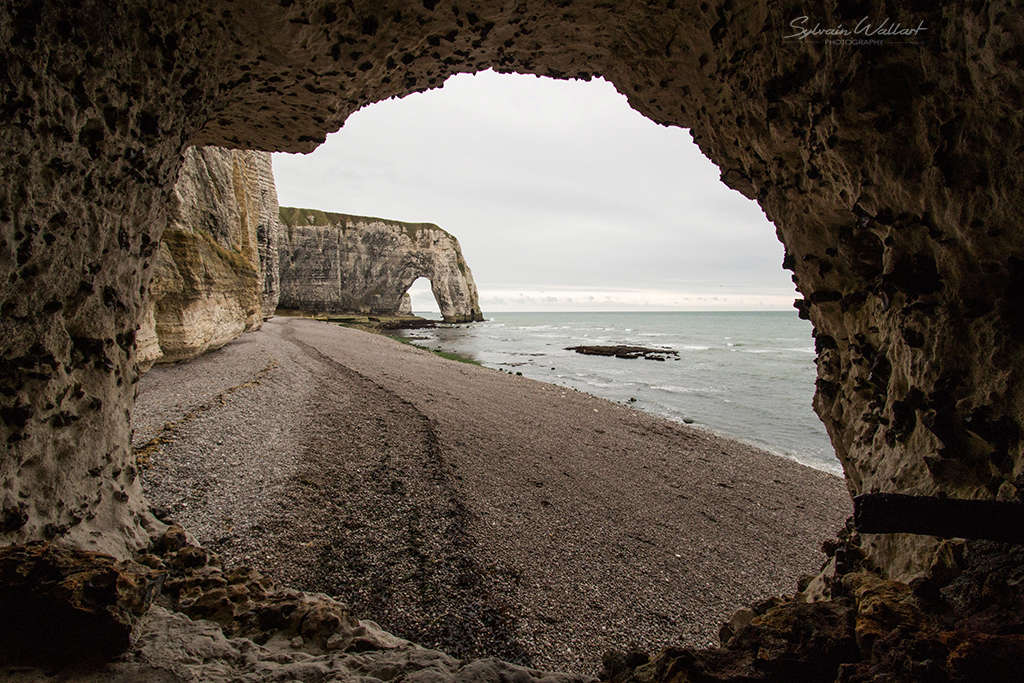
562, 197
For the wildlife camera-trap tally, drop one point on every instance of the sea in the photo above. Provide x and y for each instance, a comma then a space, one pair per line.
745, 375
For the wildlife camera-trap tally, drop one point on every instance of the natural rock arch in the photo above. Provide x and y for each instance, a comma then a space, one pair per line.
890, 174
333, 262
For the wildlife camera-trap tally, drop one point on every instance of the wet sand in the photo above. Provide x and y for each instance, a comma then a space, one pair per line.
468, 509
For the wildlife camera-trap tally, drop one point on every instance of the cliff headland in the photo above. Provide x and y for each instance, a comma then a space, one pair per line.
338, 263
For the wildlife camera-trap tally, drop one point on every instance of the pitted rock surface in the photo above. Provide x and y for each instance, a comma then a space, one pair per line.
891, 175
336, 263
215, 271
68, 613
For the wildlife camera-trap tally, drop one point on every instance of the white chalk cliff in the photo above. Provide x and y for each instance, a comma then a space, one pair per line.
332, 262
215, 270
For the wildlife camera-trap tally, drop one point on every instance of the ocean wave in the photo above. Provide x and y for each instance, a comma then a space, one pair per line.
676, 389
782, 350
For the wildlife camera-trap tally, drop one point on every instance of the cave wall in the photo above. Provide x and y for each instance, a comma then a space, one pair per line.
889, 171
215, 271
336, 263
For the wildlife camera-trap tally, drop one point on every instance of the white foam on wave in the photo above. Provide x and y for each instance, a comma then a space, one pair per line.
676, 389
782, 350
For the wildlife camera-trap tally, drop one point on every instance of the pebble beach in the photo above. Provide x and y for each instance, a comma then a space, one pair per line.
467, 509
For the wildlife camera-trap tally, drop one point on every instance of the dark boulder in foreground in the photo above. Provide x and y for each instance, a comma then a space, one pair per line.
961, 621
61, 604
628, 352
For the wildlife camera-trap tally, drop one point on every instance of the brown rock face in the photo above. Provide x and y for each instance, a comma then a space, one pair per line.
890, 174
63, 605
960, 623
215, 271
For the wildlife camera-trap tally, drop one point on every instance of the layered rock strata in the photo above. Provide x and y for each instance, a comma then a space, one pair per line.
336, 263
215, 270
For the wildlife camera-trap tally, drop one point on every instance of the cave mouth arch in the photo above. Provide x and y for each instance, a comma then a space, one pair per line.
555, 186
887, 178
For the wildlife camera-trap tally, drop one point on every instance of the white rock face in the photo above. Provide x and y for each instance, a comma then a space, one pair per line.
215, 272
332, 262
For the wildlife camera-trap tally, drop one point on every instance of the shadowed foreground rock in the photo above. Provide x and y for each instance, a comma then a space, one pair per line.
962, 622
64, 609
61, 605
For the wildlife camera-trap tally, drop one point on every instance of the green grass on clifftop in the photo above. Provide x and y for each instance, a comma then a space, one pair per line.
298, 217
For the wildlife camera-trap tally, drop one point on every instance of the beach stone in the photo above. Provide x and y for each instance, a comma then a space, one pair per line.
336, 263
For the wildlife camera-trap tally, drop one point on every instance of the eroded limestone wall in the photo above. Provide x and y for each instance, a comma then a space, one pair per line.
890, 172
215, 271
93, 146
332, 262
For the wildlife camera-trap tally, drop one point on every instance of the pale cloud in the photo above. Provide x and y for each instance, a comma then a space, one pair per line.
550, 186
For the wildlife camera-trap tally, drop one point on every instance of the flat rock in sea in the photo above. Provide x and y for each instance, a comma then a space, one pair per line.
629, 352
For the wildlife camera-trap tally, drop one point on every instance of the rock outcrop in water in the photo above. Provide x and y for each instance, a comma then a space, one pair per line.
405, 307
627, 352
336, 263
215, 270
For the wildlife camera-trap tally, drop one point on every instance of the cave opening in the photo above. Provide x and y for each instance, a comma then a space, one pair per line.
888, 174
570, 207
565, 199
